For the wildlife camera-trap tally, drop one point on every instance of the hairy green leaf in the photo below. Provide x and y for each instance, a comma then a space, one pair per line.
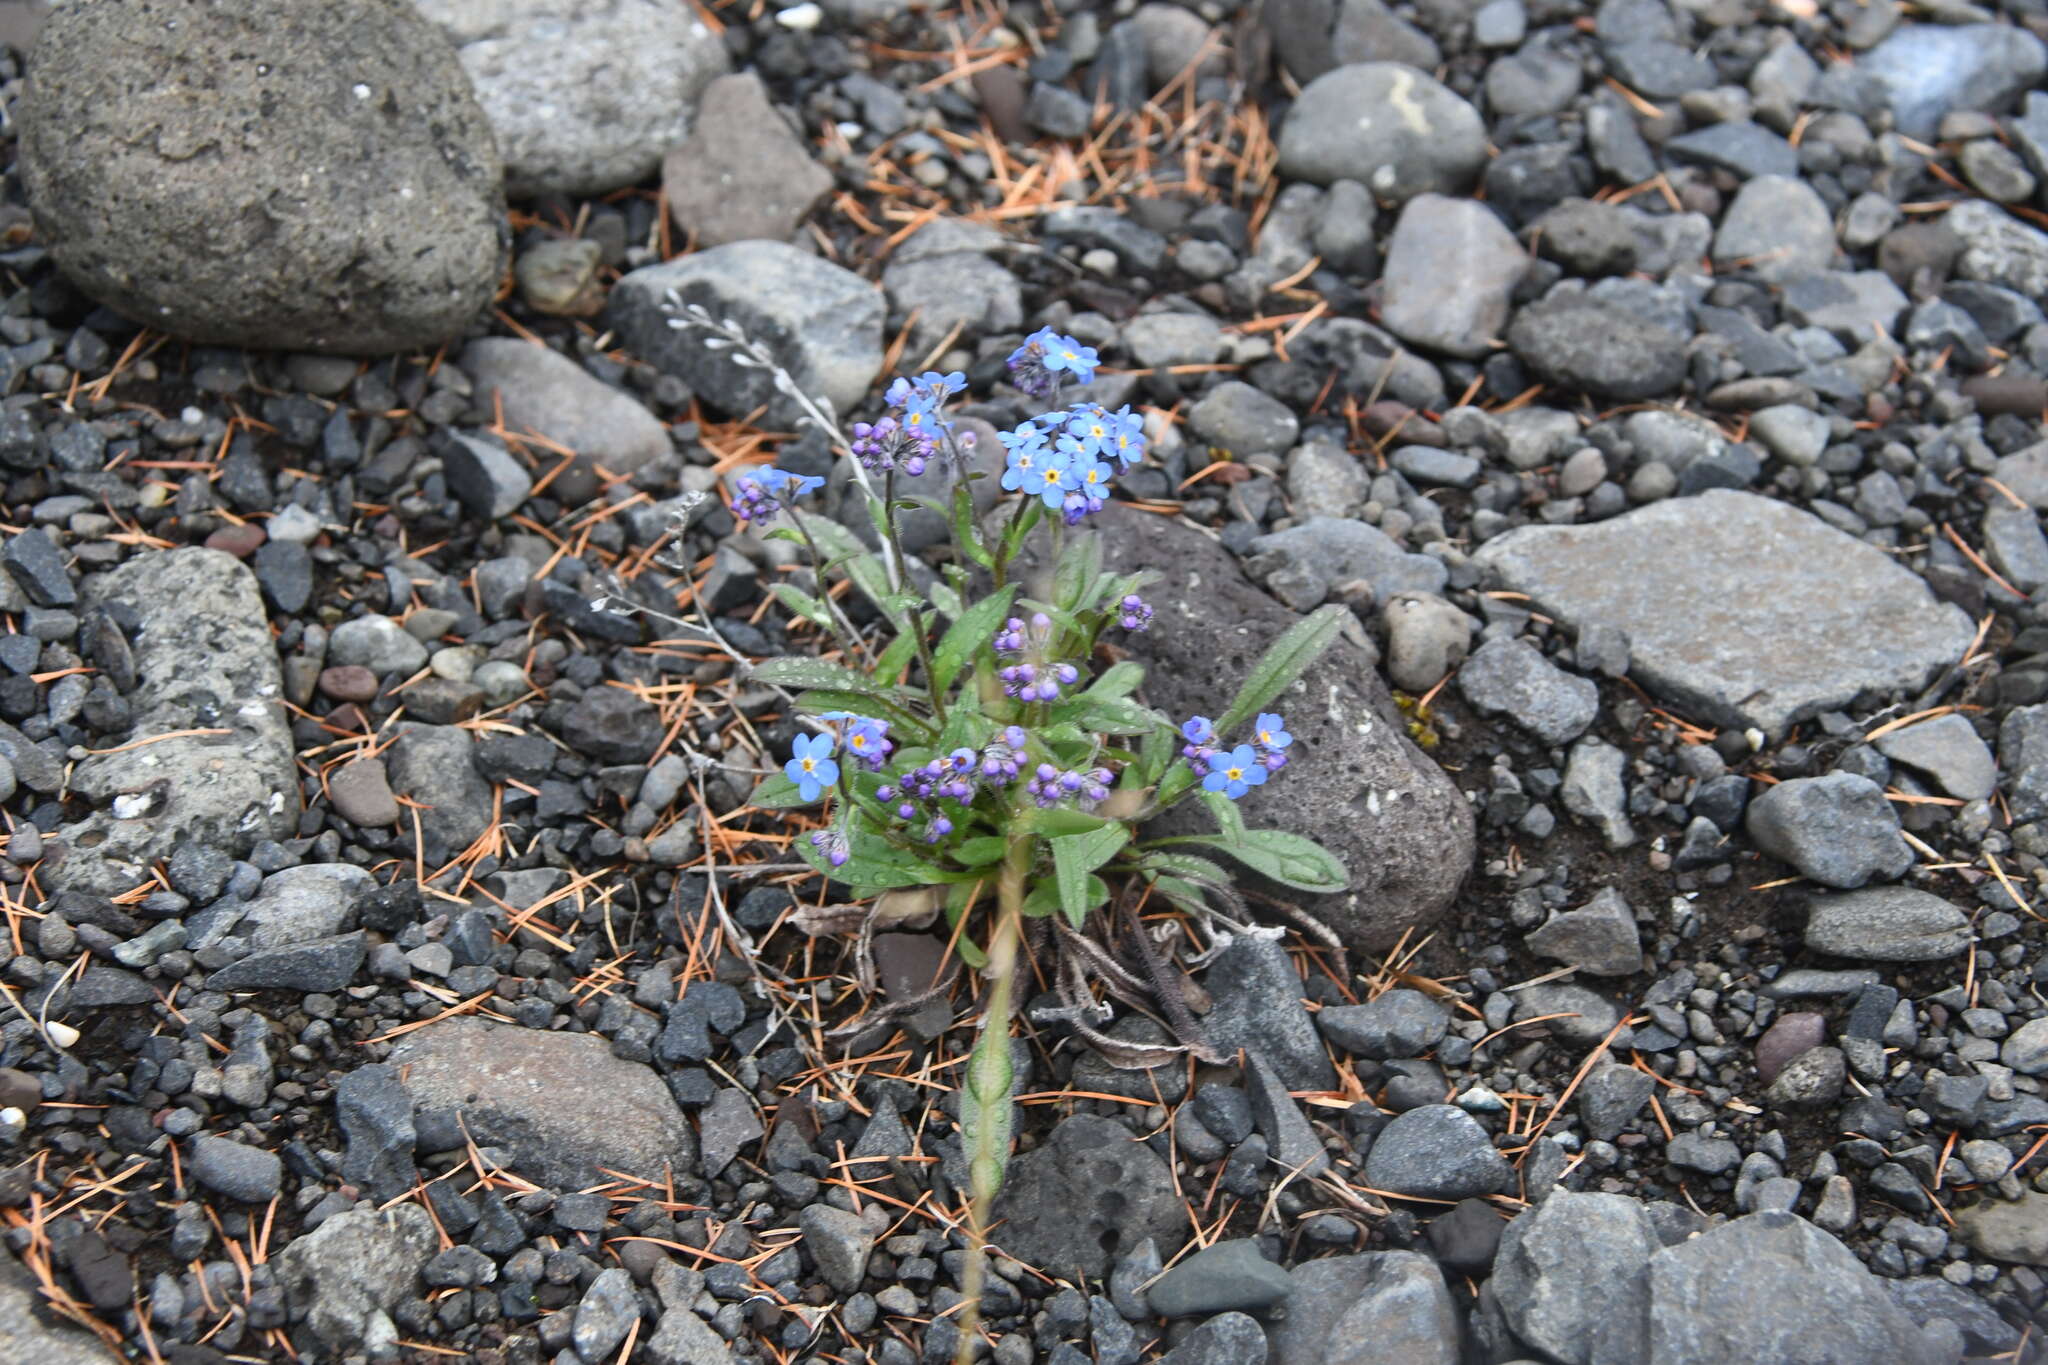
1287, 858
801, 603
1076, 572
1057, 820
966, 535
796, 671
985, 1113
778, 793
970, 631
1287, 659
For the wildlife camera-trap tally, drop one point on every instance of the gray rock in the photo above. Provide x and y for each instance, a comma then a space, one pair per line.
1325, 480
1393, 129
1362, 1310
821, 322
1360, 786
1599, 348
375, 1115
1599, 937
1136, 246
1313, 36
1069, 1204
1777, 229
1583, 1017
2015, 1233
1572, 1278
1302, 563
1771, 1286
1394, 1024
1436, 1152
431, 764
743, 173
2018, 548
1998, 248
728, 1123
2023, 753
356, 1265
212, 226
2025, 1049
1610, 1098
1658, 68
1810, 1082
1238, 418
1426, 638
234, 1169
584, 96
1887, 924
25, 1337
1743, 148
1794, 434
1587, 238
560, 1103
683, 1338
840, 1243
1838, 830
361, 793
1511, 677
1929, 70
1433, 465
1226, 1339
1228, 1275
1160, 340
1852, 304
1535, 82
1173, 38
204, 662
485, 478
377, 643
1947, 749
321, 964
1290, 1143
1451, 265
546, 393
33, 560
960, 290
1256, 1005
1739, 609
300, 903
1058, 112
612, 725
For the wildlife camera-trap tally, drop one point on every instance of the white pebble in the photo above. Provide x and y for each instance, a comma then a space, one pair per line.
803, 18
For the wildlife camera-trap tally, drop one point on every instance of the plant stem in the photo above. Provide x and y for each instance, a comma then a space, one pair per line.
841, 627
924, 648
985, 1170
1003, 545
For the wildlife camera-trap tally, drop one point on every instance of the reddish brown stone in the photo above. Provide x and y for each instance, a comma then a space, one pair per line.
239, 541
348, 682
1791, 1035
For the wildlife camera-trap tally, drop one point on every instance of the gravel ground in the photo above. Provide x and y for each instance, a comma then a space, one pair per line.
395, 972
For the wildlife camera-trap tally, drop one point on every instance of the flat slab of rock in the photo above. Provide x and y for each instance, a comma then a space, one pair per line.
205, 663
1738, 609
1075, 1203
550, 395
26, 1338
560, 1103
1358, 785
821, 322
743, 173
1887, 924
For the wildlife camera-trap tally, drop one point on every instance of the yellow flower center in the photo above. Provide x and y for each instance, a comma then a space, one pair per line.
810, 765
1234, 774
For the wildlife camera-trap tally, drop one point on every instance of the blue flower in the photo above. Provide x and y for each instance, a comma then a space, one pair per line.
812, 769
1090, 427
1037, 473
868, 741
1270, 733
942, 385
1235, 773
1126, 436
1198, 730
1064, 355
1024, 436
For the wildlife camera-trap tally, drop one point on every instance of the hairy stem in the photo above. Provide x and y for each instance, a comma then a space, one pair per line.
988, 1085
841, 627
1002, 568
924, 648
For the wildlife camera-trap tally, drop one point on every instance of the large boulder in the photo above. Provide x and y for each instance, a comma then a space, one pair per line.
584, 95
305, 174
1356, 783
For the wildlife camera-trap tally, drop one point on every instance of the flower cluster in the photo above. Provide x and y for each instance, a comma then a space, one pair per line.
1048, 785
1062, 457
761, 493
917, 432
1046, 359
1134, 614
1237, 770
1031, 676
867, 739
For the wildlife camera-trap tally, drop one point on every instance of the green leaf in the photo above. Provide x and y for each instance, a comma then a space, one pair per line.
1019, 526
778, 793
966, 535
1120, 679
1287, 659
801, 603
1058, 820
1076, 571
1111, 716
1185, 865
857, 562
1287, 858
1090, 850
971, 630
986, 1111
797, 672
946, 600
877, 865
1224, 812
897, 655
983, 850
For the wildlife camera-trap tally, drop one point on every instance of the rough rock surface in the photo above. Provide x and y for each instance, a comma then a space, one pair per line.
166, 149
1072, 1205
1361, 786
203, 662
583, 95
561, 1103
354, 1265
550, 395
1738, 609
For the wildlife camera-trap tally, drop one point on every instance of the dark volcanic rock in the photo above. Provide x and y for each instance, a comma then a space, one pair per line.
1071, 1205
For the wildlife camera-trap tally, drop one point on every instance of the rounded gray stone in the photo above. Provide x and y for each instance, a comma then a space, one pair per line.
1837, 830
1436, 1152
1388, 126
311, 175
